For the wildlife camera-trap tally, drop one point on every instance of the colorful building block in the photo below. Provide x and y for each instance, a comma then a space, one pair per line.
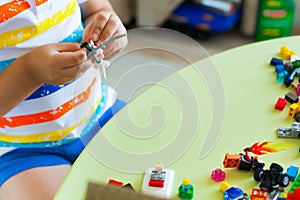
258, 194
218, 175
286, 53
116, 183
295, 195
292, 172
158, 182
280, 104
186, 190
232, 193
231, 160
276, 61
295, 185
291, 98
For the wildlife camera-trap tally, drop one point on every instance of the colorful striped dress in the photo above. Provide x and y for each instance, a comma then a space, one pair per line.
53, 114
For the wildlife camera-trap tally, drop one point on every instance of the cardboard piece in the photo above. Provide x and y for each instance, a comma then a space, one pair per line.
106, 192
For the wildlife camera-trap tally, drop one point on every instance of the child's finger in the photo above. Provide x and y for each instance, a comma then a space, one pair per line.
110, 28
68, 47
98, 25
67, 59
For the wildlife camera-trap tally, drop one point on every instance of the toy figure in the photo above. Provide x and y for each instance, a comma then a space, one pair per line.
186, 190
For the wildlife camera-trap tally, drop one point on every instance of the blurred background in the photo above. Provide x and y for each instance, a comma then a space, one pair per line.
251, 20
215, 25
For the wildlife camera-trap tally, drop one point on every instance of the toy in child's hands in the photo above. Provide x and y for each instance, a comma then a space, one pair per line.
92, 51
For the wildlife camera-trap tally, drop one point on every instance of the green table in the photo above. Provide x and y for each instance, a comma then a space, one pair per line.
189, 121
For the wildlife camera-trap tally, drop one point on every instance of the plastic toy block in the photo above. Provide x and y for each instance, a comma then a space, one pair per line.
232, 193
295, 83
289, 67
156, 183
297, 117
258, 194
295, 195
281, 76
245, 164
296, 184
294, 58
165, 191
186, 190
283, 195
279, 68
294, 108
296, 63
297, 72
157, 178
289, 78
295, 129
284, 132
280, 104
218, 175
115, 183
292, 172
286, 53
292, 98
258, 198
276, 61
231, 160
298, 90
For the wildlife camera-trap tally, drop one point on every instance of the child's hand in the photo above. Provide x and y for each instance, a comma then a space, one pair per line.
55, 63
103, 26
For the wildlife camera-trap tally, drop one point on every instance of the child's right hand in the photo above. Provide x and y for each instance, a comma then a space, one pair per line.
55, 64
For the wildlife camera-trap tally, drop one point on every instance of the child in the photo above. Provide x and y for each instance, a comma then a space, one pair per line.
51, 100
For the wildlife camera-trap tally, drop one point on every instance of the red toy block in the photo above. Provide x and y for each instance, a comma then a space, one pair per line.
280, 104
258, 194
156, 183
295, 195
115, 183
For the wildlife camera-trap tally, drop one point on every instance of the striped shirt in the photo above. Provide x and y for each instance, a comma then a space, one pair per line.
53, 114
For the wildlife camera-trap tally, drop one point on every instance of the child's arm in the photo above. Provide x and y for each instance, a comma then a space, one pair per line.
101, 24
53, 64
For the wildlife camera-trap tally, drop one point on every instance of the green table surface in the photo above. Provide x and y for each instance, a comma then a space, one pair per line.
189, 120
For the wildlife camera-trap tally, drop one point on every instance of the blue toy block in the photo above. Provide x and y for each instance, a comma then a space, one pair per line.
289, 78
279, 68
281, 76
292, 172
276, 61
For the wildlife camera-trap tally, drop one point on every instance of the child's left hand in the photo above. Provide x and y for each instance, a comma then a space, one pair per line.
102, 26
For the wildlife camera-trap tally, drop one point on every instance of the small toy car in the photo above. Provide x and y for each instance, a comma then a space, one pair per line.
241, 162
271, 178
232, 193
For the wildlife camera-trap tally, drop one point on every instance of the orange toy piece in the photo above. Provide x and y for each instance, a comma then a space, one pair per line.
231, 160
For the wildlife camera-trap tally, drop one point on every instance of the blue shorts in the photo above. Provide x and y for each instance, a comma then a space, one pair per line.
23, 159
